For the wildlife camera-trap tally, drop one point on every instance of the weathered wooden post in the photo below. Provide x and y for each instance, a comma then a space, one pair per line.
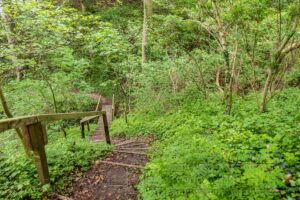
106, 129
36, 139
82, 130
113, 108
88, 126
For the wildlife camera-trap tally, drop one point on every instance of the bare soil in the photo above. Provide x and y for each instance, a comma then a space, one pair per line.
116, 176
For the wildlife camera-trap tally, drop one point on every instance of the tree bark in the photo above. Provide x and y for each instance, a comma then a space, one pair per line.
83, 8
268, 83
281, 52
221, 36
232, 78
266, 89
147, 14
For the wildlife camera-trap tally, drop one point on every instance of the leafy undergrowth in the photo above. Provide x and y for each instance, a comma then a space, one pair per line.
18, 176
204, 154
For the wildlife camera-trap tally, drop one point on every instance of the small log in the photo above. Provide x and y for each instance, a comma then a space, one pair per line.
130, 152
121, 164
61, 197
124, 143
136, 145
124, 148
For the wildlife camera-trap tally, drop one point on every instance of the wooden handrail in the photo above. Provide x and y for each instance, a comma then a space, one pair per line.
113, 107
17, 122
35, 135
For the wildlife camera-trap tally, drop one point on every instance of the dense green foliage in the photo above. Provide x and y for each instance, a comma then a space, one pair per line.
204, 154
209, 67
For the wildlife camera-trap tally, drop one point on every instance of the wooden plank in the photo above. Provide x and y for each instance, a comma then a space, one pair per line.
99, 104
12, 123
125, 148
45, 136
113, 108
17, 122
37, 140
125, 142
82, 130
129, 152
106, 129
87, 119
61, 197
66, 116
88, 126
27, 139
121, 164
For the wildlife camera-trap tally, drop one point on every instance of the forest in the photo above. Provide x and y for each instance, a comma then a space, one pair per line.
210, 88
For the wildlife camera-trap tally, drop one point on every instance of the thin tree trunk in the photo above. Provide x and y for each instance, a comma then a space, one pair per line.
54, 102
218, 75
83, 8
222, 41
221, 32
147, 14
144, 39
55, 107
232, 78
10, 115
266, 89
283, 49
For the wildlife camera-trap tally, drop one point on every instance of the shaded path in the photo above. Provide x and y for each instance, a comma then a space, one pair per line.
99, 133
114, 177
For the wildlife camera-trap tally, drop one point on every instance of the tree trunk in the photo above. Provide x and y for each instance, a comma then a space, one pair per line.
228, 76
83, 8
263, 106
231, 82
147, 14
283, 49
218, 74
10, 115
62, 128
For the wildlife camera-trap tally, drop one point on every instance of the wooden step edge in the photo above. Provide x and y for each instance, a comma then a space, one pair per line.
121, 164
61, 197
137, 145
124, 148
130, 152
125, 142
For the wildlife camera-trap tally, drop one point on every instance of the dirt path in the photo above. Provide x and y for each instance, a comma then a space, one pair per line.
115, 177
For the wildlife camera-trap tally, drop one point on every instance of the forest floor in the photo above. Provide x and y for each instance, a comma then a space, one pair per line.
115, 176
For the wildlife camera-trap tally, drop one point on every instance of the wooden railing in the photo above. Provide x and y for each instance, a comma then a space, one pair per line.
35, 134
113, 107
87, 121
